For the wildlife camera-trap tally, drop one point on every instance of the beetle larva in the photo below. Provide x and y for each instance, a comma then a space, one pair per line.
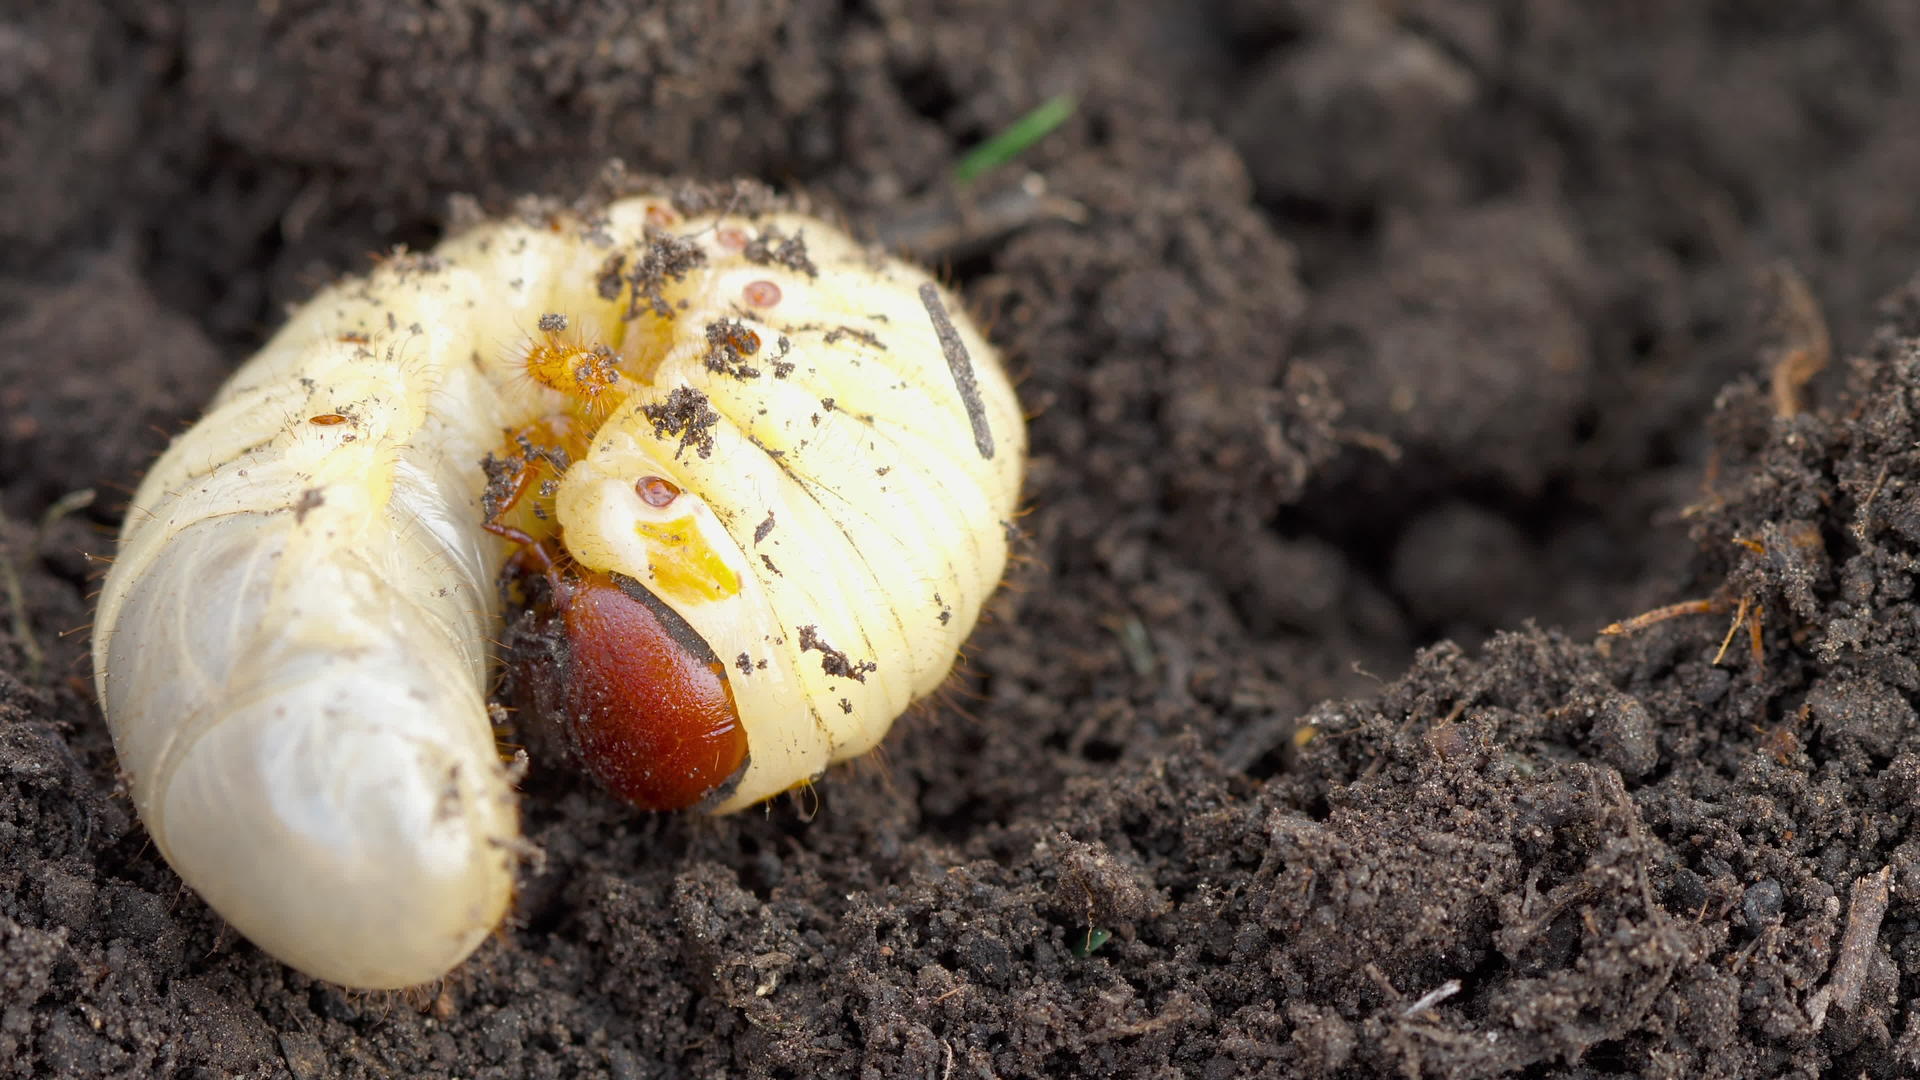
751, 484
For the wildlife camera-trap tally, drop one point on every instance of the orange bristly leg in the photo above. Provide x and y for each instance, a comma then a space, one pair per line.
536, 456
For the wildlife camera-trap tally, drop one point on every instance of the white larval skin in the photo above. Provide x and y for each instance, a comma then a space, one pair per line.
292, 646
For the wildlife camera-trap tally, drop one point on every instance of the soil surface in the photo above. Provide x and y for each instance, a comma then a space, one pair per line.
1383, 354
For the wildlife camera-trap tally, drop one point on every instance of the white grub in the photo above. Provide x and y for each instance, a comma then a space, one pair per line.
292, 647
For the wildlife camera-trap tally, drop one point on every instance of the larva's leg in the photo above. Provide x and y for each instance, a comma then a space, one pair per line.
507, 483
537, 456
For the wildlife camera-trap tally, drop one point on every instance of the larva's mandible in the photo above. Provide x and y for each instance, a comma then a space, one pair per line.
750, 483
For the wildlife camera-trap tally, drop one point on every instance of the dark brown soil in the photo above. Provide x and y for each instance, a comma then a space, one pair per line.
1401, 348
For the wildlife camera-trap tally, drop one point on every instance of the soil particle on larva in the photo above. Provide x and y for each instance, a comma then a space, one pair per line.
663, 259
832, 660
685, 415
771, 247
729, 343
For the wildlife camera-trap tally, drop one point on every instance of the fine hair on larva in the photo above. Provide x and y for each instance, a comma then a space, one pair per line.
727, 539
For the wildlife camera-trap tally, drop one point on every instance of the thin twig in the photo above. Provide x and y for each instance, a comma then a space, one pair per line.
955, 223
1802, 346
1660, 615
1866, 907
1433, 997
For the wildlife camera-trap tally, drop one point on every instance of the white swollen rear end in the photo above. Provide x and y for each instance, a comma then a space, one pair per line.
295, 637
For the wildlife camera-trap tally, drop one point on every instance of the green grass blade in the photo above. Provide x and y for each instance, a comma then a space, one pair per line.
1015, 140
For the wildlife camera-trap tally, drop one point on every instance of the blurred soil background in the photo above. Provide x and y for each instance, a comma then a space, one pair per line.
1390, 350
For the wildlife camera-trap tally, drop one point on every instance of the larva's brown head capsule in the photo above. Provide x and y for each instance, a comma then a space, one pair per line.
634, 694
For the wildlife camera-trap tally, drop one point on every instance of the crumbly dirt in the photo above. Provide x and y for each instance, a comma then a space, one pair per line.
1388, 352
